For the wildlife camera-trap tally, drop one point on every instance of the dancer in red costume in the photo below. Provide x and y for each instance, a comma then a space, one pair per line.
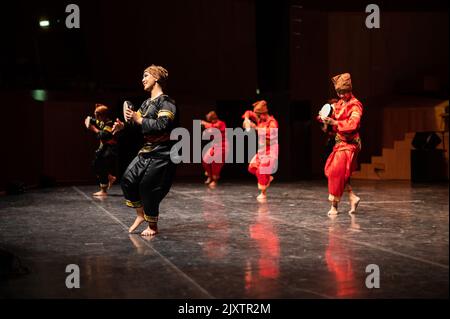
214, 158
265, 162
342, 161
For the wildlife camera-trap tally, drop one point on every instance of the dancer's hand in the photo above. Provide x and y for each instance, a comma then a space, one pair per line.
133, 116
87, 122
248, 124
118, 126
330, 121
128, 114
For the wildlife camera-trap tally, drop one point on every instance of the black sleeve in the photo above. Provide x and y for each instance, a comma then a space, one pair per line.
163, 122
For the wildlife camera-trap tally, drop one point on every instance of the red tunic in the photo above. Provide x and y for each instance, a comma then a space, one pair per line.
343, 160
211, 166
265, 162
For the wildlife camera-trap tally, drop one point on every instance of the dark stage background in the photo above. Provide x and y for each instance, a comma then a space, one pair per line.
219, 55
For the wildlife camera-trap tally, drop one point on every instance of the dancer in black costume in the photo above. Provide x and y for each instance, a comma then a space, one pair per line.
106, 154
148, 178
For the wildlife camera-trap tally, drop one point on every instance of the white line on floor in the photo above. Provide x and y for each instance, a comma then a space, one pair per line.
393, 202
357, 242
167, 261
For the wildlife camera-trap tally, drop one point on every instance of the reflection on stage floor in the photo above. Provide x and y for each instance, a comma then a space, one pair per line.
222, 243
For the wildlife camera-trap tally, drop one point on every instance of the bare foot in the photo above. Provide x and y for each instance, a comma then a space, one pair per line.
213, 184
111, 180
150, 231
262, 200
139, 220
262, 196
100, 193
333, 211
208, 180
354, 201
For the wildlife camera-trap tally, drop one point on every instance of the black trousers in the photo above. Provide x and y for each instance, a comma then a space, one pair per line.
104, 163
146, 182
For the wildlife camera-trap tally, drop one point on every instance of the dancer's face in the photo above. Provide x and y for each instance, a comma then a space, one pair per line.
262, 116
98, 116
148, 81
346, 96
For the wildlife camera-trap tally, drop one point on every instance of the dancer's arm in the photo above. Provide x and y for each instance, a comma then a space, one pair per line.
250, 115
164, 120
352, 122
250, 119
106, 133
118, 126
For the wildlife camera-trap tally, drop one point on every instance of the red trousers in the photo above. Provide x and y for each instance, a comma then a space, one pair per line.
262, 165
212, 168
340, 165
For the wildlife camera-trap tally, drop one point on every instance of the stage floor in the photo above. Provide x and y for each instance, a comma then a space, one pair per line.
222, 243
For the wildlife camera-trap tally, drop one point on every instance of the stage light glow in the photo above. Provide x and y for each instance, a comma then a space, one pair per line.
39, 95
44, 23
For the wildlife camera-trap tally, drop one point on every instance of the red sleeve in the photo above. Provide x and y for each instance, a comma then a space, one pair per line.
221, 126
251, 115
273, 124
218, 125
207, 124
351, 123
